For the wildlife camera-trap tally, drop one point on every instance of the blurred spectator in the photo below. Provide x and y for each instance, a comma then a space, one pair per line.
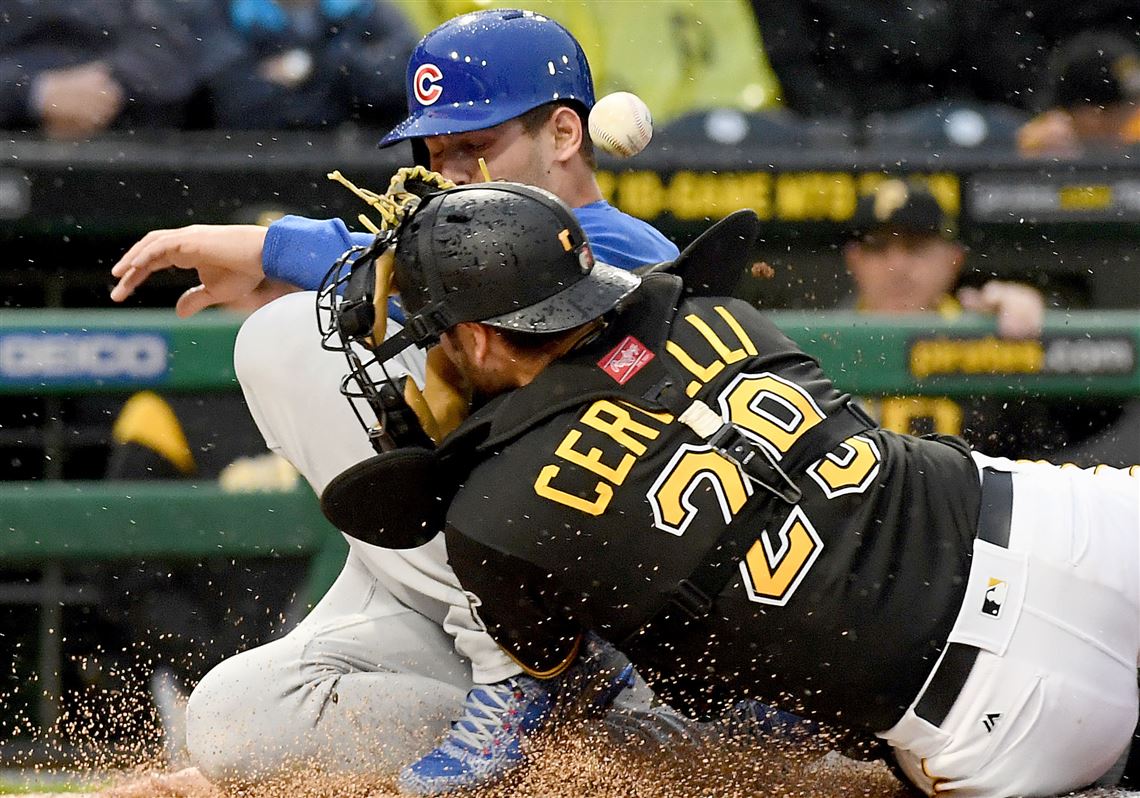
304, 63
904, 257
1095, 98
677, 55
73, 68
837, 57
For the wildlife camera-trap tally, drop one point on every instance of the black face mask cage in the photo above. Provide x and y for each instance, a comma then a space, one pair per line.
345, 317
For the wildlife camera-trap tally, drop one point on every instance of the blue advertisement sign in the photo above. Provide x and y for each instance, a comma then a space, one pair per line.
83, 356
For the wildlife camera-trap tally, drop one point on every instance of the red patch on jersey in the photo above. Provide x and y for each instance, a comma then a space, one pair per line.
625, 360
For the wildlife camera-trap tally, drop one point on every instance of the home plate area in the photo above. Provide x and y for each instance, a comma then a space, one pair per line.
568, 764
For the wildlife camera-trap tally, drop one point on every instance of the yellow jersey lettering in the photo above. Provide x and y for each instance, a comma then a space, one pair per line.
544, 489
742, 336
773, 569
616, 422
656, 415
725, 354
592, 460
729, 356
775, 411
850, 469
702, 373
670, 497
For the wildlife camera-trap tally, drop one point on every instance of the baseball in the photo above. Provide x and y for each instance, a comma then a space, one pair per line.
620, 124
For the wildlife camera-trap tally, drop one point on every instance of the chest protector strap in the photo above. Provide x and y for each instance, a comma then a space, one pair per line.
694, 596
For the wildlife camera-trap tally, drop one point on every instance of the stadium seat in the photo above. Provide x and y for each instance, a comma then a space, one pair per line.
729, 127
949, 124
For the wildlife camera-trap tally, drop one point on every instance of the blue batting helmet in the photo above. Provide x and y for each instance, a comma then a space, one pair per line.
481, 69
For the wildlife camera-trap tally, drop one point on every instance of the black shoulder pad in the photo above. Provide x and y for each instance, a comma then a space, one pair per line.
397, 499
716, 261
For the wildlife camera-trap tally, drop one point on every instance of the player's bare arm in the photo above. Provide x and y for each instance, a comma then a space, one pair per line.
227, 259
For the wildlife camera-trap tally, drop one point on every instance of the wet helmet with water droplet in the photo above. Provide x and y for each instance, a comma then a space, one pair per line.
482, 69
503, 254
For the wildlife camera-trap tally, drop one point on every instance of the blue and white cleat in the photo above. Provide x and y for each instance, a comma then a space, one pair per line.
487, 742
490, 739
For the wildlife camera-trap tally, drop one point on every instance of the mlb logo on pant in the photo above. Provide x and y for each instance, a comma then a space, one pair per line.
995, 597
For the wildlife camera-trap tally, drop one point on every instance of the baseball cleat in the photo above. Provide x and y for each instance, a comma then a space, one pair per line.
752, 719
486, 742
498, 719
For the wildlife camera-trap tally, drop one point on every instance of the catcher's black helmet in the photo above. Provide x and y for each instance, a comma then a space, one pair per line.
503, 254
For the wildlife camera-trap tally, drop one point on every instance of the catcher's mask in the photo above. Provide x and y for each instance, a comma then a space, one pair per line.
352, 307
502, 254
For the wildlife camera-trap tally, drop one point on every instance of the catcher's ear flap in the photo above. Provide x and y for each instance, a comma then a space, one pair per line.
363, 312
355, 315
715, 262
395, 499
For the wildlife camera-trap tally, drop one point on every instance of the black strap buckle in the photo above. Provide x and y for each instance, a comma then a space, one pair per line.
757, 462
667, 393
692, 600
427, 325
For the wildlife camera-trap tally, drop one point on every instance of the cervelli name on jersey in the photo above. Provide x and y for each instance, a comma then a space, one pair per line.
592, 510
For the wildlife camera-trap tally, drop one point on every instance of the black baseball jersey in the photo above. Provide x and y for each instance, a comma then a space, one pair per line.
586, 513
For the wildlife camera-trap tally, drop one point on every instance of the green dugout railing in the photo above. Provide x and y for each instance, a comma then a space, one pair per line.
83, 521
48, 524
66, 352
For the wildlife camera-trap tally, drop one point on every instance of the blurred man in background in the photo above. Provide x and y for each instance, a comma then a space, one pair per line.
905, 257
1095, 90
74, 69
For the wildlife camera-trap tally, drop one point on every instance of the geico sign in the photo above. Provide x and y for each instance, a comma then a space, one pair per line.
80, 355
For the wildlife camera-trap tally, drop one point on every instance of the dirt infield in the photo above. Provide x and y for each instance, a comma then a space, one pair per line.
583, 764
579, 759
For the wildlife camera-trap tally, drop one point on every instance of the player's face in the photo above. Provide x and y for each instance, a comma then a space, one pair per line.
903, 272
508, 150
479, 357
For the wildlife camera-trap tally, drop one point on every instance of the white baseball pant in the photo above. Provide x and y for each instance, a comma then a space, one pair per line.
369, 679
1050, 703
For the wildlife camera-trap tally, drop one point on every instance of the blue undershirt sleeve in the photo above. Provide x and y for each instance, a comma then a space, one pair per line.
300, 251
